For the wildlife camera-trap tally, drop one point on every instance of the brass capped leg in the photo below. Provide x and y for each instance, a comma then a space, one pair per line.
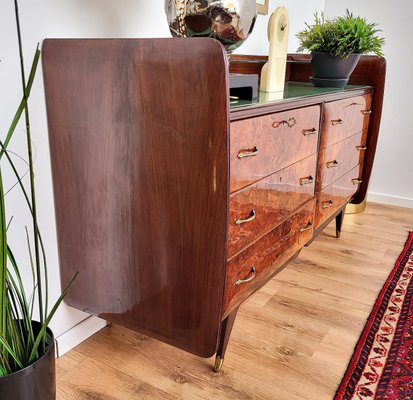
219, 362
338, 234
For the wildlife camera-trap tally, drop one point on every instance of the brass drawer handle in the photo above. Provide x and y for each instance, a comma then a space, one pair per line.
307, 228
247, 153
332, 164
365, 112
335, 122
308, 132
327, 204
356, 181
290, 123
361, 148
356, 104
249, 279
306, 181
249, 219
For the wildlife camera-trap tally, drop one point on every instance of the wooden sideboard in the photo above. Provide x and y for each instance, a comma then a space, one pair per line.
175, 205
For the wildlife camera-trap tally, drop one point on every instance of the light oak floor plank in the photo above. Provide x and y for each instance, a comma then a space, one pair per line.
291, 341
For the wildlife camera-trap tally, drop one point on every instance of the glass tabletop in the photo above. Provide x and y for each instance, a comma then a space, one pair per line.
292, 90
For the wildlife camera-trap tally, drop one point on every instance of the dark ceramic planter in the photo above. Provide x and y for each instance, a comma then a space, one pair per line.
35, 382
331, 70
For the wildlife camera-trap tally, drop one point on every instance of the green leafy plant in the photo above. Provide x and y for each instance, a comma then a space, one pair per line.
21, 344
341, 36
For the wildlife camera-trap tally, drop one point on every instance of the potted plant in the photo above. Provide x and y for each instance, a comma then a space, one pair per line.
27, 369
336, 45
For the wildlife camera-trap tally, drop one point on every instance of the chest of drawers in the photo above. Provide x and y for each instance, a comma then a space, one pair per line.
176, 207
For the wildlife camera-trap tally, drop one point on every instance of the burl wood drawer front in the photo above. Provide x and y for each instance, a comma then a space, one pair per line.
340, 158
263, 145
249, 270
344, 118
258, 208
333, 197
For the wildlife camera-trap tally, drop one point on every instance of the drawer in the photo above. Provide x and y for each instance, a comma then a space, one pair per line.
345, 118
263, 145
258, 208
249, 270
340, 158
334, 196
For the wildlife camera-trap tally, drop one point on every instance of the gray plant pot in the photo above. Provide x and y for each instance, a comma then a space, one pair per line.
331, 70
35, 382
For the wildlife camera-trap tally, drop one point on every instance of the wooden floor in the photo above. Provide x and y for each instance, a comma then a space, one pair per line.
291, 341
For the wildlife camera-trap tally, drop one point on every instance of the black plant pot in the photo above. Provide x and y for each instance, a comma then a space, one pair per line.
35, 382
331, 70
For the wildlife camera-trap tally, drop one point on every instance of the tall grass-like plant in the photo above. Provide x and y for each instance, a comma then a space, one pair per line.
21, 344
341, 36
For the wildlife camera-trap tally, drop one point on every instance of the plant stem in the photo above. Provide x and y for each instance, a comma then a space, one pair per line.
30, 155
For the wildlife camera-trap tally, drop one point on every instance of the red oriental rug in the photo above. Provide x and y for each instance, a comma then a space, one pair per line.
382, 364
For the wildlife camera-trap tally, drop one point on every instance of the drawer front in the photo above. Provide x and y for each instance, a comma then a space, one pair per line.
258, 208
340, 158
345, 118
249, 270
333, 197
263, 145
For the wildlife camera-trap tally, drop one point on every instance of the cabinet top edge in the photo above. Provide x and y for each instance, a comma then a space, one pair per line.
302, 99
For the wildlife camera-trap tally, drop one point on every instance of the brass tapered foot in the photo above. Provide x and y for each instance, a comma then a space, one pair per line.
338, 234
219, 362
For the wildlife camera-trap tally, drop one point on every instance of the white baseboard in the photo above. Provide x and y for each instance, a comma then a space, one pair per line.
390, 199
80, 332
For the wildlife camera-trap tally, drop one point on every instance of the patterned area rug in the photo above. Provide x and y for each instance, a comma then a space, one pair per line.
382, 363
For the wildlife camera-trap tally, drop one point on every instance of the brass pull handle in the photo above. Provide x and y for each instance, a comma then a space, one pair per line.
361, 148
306, 181
365, 112
356, 104
249, 279
307, 228
332, 164
247, 153
356, 181
335, 122
290, 123
308, 132
327, 204
249, 219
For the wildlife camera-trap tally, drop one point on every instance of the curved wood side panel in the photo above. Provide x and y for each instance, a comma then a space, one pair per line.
139, 148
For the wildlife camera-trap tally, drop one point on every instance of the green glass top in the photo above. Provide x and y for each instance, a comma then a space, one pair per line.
292, 90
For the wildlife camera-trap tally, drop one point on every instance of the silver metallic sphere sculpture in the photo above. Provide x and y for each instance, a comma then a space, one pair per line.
230, 22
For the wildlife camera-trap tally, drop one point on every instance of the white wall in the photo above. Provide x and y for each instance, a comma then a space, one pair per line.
392, 178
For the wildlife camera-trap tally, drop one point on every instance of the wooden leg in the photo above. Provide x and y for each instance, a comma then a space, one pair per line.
339, 222
226, 328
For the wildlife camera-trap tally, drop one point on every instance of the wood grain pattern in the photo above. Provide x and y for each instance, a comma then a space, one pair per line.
277, 139
267, 256
344, 118
338, 159
272, 199
335, 196
145, 237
